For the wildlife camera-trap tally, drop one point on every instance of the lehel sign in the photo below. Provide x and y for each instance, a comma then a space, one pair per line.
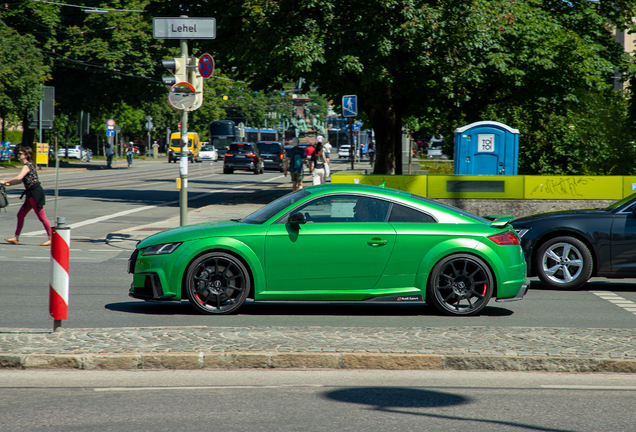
182, 95
184, 28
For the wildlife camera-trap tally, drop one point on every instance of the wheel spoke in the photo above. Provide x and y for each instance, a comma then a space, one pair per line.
575, 263
552, 255
567, 276
552, 270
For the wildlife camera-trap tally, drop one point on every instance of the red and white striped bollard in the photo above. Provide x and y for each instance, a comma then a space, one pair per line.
59, 281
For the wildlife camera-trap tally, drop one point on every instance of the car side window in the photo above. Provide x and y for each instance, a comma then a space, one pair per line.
345, 208
400, 213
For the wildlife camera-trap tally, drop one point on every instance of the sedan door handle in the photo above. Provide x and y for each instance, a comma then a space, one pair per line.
376, 242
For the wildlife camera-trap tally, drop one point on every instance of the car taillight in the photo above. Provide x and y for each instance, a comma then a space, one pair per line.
506, 238
251, 154
281, 155
228, 154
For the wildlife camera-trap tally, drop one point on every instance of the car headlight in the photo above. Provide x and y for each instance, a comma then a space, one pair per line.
161, 249
521, 231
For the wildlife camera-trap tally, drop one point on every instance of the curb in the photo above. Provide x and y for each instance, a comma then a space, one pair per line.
273, 360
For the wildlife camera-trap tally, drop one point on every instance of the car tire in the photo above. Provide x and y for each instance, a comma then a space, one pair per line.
460, 284
227, 170
564, 263
217, 283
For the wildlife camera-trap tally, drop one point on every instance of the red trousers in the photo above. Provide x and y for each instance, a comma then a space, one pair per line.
31, 203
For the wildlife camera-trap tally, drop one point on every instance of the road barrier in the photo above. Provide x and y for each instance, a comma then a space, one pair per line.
59, 281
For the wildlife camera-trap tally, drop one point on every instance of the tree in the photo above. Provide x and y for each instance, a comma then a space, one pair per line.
22, 74
424, 58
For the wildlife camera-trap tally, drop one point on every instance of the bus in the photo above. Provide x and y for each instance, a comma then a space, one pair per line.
222, 134
251, 135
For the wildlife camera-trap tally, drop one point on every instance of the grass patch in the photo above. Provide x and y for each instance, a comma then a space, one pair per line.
438, 168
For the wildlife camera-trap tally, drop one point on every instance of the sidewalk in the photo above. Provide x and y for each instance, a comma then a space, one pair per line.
457, 348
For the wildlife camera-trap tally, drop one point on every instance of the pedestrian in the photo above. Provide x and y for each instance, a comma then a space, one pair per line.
129, 153
371, 152
109, 155
310, 150
33, 193
318, 165
294, 160
328, 148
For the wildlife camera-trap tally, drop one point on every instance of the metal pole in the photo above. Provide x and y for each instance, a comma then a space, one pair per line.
352, 146
57, 175
183, 162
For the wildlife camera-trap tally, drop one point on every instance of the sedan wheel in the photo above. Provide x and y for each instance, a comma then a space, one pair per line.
564, 263
460, 285
217, 283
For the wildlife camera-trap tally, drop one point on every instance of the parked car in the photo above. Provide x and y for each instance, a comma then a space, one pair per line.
343, 151
243, 156
385, 245
208, 152
565, 248
273, 154
74, 152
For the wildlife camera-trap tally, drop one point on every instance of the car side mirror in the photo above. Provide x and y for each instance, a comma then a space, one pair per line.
297, 218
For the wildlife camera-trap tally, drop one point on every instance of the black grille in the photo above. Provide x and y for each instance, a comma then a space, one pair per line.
132, 260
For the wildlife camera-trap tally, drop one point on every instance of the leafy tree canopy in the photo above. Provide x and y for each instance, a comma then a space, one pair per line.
435, 59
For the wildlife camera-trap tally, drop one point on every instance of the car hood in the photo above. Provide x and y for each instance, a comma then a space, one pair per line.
225, 228
560, 214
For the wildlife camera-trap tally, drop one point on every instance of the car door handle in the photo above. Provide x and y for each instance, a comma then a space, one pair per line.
376, 242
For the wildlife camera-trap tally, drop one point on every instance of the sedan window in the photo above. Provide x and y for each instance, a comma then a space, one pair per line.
400, 213
345, 208
263, 214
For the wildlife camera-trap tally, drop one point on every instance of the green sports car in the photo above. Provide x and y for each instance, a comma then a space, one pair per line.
336, 242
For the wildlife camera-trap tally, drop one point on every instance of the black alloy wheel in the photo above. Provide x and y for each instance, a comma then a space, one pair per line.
460, 284
564, 263
217, 283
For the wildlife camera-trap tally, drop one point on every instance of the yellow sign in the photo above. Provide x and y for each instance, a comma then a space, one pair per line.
42, 155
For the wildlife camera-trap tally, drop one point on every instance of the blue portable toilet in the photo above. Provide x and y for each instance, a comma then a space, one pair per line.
486, 148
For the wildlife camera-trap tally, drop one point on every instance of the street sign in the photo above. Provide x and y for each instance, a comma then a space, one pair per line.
110, 132
184, 28
206, 65
149, 125
182, 95
350, 106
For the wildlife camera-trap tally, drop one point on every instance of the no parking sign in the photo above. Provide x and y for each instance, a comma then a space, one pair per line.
206, 65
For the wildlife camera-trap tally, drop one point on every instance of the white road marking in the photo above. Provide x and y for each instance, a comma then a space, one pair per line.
217, 387
617, 300
588, 387
135, 210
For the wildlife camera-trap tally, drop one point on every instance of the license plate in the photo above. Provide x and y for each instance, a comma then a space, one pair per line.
269, 160
240, 157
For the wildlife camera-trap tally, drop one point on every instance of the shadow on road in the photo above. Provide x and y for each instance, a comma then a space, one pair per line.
298, 309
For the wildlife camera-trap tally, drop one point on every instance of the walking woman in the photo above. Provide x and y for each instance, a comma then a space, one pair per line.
33, 192
319, 162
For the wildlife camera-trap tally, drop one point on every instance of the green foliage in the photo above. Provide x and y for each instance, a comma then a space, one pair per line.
441, 62
22, 72
589, 137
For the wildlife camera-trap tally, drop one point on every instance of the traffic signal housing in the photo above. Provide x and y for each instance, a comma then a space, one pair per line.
178, 67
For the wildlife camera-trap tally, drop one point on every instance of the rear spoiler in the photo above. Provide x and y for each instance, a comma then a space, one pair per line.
499, 221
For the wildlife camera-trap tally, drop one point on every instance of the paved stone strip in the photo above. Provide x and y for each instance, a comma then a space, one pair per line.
494, 348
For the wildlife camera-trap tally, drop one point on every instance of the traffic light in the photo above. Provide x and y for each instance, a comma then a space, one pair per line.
178, 67
195, 78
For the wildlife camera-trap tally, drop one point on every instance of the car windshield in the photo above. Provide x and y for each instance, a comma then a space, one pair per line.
241, 147
263, 214
449, 207
268, 148
207, 148
622, 202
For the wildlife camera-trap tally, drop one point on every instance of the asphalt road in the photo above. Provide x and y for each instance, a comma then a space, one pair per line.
101, 201
314, 400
